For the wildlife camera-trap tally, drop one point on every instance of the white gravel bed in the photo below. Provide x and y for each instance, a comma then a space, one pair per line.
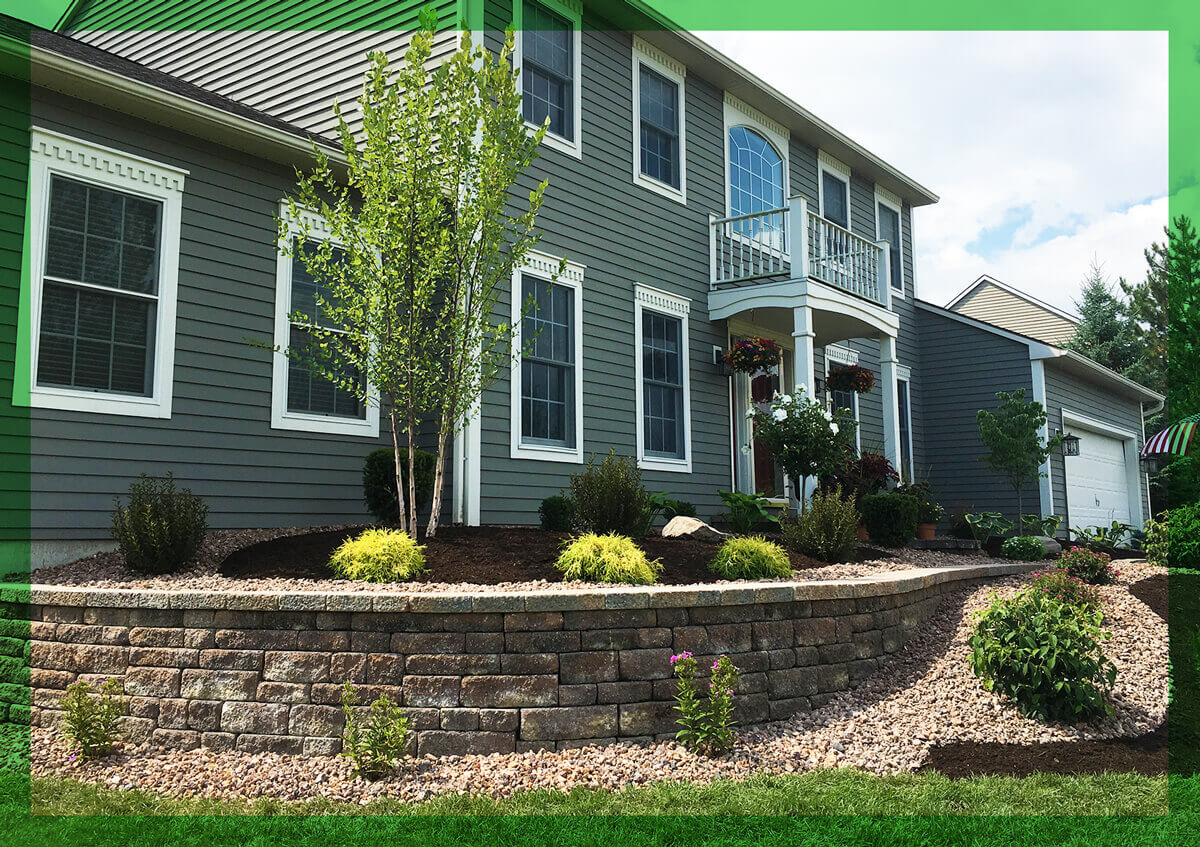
107, 570
925, 696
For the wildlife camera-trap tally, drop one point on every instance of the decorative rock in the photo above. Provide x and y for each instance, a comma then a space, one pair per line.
1050, 545
685, 527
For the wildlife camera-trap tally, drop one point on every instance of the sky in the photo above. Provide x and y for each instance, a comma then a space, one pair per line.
1048, 150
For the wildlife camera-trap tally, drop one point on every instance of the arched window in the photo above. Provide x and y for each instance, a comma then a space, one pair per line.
755, 182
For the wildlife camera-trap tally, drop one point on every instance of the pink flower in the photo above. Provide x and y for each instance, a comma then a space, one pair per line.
716, 663
681, 657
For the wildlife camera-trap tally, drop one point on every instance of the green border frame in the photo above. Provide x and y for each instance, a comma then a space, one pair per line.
1180, 18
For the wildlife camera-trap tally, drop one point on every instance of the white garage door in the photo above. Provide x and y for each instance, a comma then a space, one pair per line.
1097, 481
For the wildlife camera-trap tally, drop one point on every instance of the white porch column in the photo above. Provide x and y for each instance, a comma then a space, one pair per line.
803, 372
803, 335
891, 412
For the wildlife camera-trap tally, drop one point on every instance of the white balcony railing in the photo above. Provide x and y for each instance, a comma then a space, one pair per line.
747, 248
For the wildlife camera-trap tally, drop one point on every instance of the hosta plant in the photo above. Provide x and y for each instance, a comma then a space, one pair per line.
1045, 655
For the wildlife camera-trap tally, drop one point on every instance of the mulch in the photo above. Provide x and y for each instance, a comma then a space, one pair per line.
481, 555
1145, 754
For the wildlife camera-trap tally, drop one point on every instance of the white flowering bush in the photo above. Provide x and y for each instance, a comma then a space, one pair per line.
805, 438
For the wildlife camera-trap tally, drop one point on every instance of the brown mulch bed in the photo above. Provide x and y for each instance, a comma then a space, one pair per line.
1153, 592
1145, 754
480, 555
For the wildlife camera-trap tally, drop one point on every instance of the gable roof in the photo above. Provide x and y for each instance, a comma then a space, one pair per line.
996, 302
59, 62
340, 18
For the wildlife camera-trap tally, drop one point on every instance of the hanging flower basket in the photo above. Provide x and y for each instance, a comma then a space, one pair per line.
753, 355
854, 378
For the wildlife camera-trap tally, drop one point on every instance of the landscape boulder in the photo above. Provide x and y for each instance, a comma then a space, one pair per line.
684, 527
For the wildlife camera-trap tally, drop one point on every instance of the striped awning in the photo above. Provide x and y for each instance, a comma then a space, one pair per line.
1175, 440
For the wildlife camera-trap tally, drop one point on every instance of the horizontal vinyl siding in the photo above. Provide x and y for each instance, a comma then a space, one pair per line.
289, 58
219, 441
962, 368
625, 235
1083, 397
996, 306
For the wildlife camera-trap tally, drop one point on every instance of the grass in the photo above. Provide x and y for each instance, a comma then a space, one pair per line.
840, 792
929, 809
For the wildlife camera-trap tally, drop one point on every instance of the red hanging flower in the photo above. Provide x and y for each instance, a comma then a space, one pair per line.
854, 378
754, 355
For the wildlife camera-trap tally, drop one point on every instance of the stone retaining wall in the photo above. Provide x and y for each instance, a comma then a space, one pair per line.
476, 673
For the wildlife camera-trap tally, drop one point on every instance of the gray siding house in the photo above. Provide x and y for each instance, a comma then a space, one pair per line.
693, 203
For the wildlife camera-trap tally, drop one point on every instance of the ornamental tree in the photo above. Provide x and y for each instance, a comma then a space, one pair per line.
1012, 435
423, 233
804, 437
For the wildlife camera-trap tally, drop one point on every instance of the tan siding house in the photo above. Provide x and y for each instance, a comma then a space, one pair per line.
992, 301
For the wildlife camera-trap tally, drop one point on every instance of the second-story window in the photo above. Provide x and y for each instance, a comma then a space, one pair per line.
549, 70
755, 185
888, 229
658, 121
835, 199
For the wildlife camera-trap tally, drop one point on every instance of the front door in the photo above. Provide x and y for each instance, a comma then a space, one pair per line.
755, 471
768, 479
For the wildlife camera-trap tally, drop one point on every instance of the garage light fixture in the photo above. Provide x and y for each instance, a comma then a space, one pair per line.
1070, 445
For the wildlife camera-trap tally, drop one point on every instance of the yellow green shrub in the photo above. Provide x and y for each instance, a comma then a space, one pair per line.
607, 558
379, 555
752, 557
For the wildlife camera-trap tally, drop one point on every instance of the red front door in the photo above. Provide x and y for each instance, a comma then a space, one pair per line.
766, 476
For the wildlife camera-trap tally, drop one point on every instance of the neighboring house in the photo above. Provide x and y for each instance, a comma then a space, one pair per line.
692, 202
993, 301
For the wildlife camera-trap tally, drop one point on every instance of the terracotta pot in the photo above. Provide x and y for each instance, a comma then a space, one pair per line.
863, 535
925, 531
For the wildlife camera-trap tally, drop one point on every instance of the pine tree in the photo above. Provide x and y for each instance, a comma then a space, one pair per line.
1106, 334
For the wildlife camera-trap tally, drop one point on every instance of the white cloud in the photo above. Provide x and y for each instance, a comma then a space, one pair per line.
1063, 132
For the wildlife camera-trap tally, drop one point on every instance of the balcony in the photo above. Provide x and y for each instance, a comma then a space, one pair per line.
792, 243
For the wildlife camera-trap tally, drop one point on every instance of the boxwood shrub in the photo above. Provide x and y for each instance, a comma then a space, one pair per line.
1023, 548
890, 519
162, 528
558, 513
379, 481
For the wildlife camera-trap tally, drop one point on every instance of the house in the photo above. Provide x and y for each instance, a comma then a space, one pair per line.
693, 203
991, 300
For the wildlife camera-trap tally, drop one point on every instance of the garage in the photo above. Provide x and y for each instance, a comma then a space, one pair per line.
1098, 480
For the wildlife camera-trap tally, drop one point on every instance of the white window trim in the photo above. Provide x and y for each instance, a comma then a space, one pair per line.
572, 10
883, 197
1133, 471
54, 153
544, 266
314, 227
739, 113
646, 298
659, 62
835, 354
830, 165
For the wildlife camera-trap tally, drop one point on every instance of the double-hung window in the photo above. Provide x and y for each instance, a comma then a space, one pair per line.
887, 228
839, 357
904, 414
312, 392
662, 366
658, 83
549, 64
546, 384
105, 236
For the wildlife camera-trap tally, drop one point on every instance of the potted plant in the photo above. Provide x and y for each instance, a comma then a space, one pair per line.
928, 510
753, 355
854, 378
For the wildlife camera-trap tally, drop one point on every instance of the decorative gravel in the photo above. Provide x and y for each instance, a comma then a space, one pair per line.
926, 695
107, 570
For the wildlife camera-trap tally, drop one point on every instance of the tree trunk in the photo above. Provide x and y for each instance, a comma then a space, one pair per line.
1020, 513
412, 481
399, 475
439, 479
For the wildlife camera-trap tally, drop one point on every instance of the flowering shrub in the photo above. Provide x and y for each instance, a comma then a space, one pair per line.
804, 437
753, 355
1057, 583
854, 378
1089, 565
1046, 655
928, 510
706, 726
